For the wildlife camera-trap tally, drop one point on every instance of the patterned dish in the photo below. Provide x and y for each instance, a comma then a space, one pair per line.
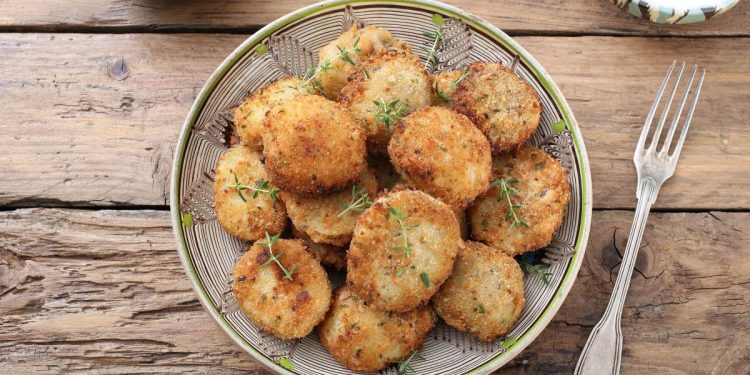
288, 46
676, 11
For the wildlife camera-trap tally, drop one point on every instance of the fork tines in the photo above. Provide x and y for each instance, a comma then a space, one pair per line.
663, 151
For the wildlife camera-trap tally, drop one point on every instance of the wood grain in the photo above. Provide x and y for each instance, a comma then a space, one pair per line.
524, 17
104, 291
92, 120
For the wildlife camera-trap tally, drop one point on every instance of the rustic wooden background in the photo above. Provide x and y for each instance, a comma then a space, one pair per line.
93, 94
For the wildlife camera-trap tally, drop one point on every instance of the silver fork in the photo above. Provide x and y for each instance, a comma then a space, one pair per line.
603, 350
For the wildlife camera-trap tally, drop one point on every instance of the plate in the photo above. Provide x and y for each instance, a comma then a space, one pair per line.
289, 45
676, 11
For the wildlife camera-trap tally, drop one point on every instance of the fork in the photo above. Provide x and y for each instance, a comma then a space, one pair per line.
603, 350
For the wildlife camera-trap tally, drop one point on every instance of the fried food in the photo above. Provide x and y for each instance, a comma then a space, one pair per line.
387, 87
328, 255
287, 306
541, 192
485, 294
313, 146
445, 84
403, 249
329, 219
502, 105
443, 154
250, 114
369, 40
244, 214
365, 339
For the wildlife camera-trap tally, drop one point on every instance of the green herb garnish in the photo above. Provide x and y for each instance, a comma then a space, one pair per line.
360, 201
540, 269
442, 94
262, 186
404, 366
437, 35
508, 192
388, 113
270, 241
425, 279
402, 230
344, 54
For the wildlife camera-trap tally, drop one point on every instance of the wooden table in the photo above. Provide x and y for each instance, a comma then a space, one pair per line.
93, 94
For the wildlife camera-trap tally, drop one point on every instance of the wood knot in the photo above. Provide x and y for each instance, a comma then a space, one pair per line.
119, 69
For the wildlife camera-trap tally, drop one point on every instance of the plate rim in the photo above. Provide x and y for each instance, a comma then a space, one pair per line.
498, 36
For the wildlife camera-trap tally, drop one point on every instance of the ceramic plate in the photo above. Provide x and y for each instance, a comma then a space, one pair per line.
289, 45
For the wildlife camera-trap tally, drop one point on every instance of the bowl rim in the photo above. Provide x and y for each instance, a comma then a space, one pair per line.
490, 30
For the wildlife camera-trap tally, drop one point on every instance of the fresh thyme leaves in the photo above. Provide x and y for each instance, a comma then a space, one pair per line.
479, 309
437, 35
360, 201
405, 366
344, 55
443, 94
425, 279
388, 113
508, 192
270, 241
540, 268
262, 186
400, 217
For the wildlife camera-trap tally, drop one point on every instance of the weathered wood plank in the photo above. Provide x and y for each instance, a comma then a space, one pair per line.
93, 119
578, 17
95, 291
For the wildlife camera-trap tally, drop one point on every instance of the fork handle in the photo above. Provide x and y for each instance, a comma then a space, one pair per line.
603, 350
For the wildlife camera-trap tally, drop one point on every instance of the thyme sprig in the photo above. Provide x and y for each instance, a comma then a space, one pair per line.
402, 230
360, 201
442, 94
507, 193
344, 55
437, 35
404, 366
270, 241
388, 113
540, 269
262, 186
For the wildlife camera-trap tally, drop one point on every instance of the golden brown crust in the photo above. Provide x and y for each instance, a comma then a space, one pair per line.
485, 294
381, 272
543, 195
442, 83
365, 339
386, 77
371, 40
328, 255
313, 146
249, 115
249, 219
443, 154
286, 308
502, 105
321, 218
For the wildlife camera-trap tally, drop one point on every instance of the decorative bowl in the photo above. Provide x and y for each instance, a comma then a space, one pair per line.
676, 11
288, 46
